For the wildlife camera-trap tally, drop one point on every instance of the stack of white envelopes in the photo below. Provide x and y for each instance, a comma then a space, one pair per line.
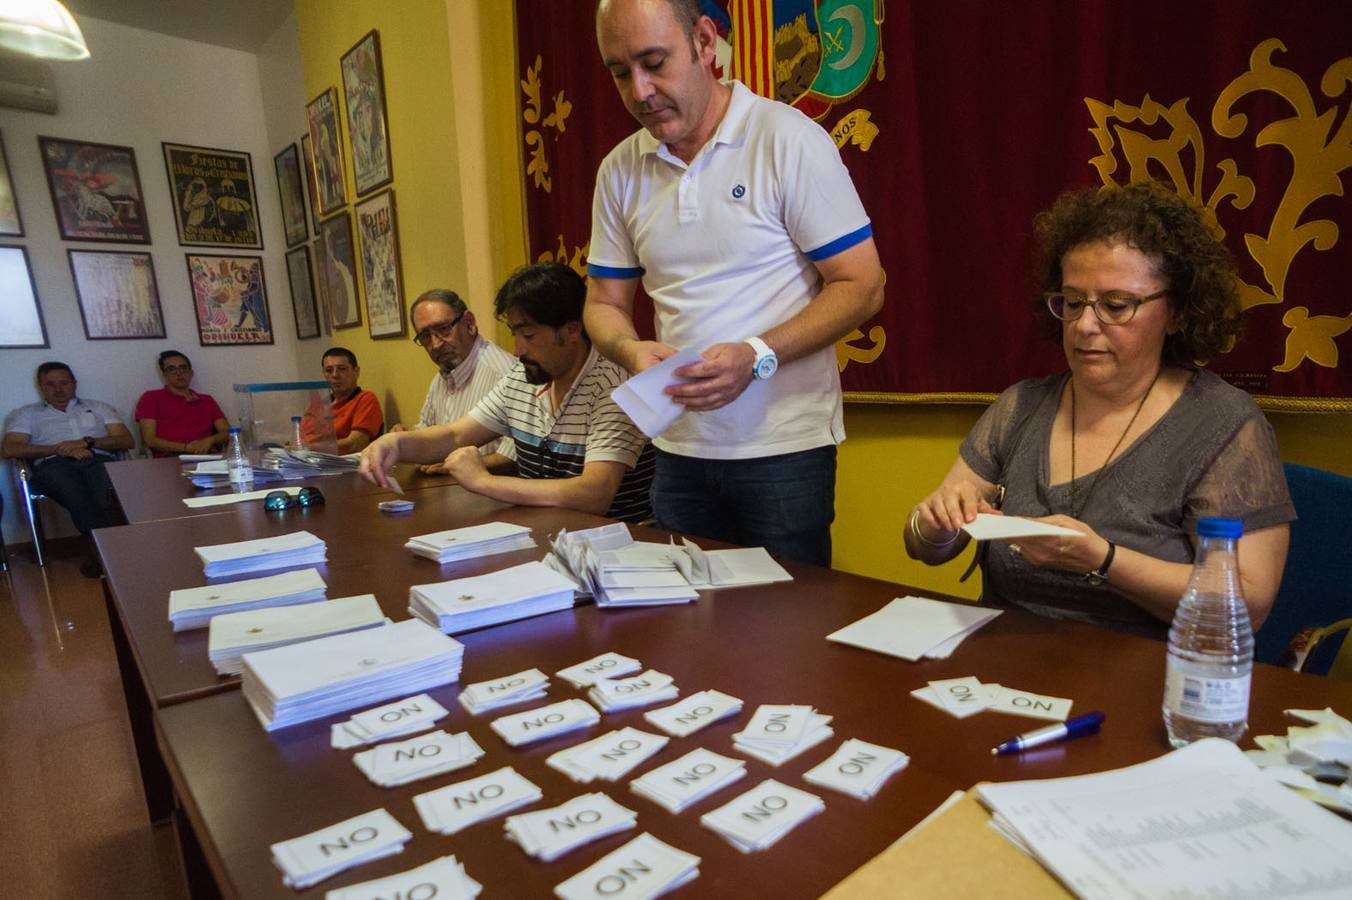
443, 878
309, 859
692, 713
407, 716
915, 627
650, 868
550, 833
616, 570
607, 665
611, 757
546, 722
194, 607
434, 753
300, 548
483, 696
615, 694
455, 807
776, 734
763, 815
329, 675
234, 634
734, 567
462, 604
858, 768
471, 542
689, 779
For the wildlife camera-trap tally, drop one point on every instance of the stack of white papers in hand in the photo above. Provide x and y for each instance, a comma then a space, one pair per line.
407, 716
735, 567
547, 721
318, 678
694, 712
443, 878
762, 815
311, 858
644, 398
646, 866
471, 542
912, 627
483, 696
455, 807
858, 768
296, 549
194, 607
550, 833
434, 753
611, 756
530, 589
615, 694
689, 779
607, 665
234, 634
776, 734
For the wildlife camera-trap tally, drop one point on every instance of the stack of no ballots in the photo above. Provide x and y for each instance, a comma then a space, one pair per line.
296, 549
194, 607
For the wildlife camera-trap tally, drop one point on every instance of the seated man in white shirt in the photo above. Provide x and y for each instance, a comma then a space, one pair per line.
575, 448
469, 368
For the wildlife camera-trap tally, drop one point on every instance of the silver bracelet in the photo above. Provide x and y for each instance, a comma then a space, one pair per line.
920, 535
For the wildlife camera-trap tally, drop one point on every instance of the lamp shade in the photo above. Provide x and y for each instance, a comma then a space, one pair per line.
42, 28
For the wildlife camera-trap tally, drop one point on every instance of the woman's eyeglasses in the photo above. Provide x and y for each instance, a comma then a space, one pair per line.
1112, 308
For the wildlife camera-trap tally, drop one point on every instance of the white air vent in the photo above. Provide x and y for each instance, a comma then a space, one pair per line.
26, 84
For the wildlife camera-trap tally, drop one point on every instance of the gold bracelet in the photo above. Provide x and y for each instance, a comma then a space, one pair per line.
920, 535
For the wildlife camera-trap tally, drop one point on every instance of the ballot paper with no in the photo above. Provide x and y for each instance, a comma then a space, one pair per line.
912, 627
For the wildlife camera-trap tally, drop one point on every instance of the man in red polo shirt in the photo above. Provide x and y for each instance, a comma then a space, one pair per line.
356, 413
176, 419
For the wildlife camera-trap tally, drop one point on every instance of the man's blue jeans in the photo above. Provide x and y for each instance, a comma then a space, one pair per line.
783, 503
82, 487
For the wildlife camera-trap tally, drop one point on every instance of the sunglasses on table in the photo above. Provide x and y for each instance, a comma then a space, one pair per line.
306, 497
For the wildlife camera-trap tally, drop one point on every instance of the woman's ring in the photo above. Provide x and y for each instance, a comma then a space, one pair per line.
1016, 549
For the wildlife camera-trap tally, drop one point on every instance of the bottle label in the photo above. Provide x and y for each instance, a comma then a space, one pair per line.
1206, 698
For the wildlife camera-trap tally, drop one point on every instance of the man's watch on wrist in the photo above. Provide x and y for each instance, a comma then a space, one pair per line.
1100, 575
766, 363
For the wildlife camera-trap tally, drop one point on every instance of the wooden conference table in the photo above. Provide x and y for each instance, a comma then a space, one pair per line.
242, 789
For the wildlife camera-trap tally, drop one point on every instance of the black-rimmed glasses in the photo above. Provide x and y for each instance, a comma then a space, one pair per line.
1112, 308
442, 331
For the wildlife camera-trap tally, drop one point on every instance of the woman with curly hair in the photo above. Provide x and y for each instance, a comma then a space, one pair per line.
1134, 443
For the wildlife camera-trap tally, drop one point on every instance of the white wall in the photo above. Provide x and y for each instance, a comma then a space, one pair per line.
138, 89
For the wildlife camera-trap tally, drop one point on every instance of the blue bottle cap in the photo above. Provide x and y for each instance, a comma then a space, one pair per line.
234, 430
1221, 528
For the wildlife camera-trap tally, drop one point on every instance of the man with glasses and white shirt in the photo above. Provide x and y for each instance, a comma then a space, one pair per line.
469, 367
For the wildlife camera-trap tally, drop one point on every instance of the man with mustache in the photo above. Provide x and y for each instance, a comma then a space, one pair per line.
469, 368
574, 447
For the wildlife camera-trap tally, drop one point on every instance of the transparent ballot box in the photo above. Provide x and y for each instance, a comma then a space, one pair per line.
265, 412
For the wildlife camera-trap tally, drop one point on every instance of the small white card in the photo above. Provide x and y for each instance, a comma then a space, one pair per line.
455, 807
434, 753
443, 878
547, 721
697, 774
611, 756
607, 665
1035, 706
962, 696
763, 815
776, 725
643, 868
391, 720
990, 527
485, 695
640, 690
697, 711
312, 857
930, 696
550, 833
857, 768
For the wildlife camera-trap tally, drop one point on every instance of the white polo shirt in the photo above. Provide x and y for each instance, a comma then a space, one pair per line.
725, 248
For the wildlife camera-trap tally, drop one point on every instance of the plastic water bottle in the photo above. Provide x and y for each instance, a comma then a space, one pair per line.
1206, 685
237, 463
297, 438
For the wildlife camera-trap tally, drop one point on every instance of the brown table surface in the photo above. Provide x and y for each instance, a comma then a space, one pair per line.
243, 789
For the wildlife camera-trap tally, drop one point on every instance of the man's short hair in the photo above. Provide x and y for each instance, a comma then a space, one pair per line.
439, 295
167, 354
52, 366
550, 293
685, 12
340, 351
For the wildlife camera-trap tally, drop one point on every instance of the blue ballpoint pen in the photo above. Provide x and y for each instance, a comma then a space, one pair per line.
1075, 727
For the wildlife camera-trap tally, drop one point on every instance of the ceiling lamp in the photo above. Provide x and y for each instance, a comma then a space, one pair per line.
42, 28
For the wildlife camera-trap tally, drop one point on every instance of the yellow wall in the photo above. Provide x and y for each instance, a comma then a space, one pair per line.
451, 77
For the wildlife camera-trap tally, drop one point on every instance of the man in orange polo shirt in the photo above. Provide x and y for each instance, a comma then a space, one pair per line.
356, 413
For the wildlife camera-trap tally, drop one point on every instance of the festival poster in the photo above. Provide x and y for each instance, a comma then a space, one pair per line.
11, 225
215, 204
117, 294
230, 298
367, 123
378, 232
326, 143
292, 195
337, 271
96, 191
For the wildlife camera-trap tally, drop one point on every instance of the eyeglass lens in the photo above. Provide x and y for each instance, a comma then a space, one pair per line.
441, 330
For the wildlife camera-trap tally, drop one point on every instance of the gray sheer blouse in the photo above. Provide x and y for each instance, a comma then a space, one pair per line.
1212, 454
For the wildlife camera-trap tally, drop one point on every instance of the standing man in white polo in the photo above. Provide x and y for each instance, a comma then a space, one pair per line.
742, 222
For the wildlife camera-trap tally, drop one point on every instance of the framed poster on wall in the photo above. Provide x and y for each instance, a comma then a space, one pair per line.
287, 165
10, 223
118, 297
21, 322
337, 270
382, 282
230, 298
96, 191
326, 143
367, 123
215, 204
307, 164
302, 283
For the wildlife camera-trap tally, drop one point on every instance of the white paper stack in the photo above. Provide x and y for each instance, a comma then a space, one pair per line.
471, 542
858, 768
435, 753
734, 567
689, 779
612, 756
607, 665
462, 604
194, 607
645, 866
306, 463
763, 815
619, 571
318, 678
483, 696
550, 833
234, 634
214, 473
912, 627
776, 734
443, 878
1313, 760
311, 858
299, 548
407, 716
615, 694
524, 728
697, 711
452, 808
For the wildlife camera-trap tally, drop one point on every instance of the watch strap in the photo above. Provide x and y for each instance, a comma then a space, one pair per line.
761, 348
1100, 575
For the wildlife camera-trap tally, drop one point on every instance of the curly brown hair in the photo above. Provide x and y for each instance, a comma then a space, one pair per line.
1199, 273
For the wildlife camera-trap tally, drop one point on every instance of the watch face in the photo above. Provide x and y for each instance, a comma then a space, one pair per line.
765, 367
